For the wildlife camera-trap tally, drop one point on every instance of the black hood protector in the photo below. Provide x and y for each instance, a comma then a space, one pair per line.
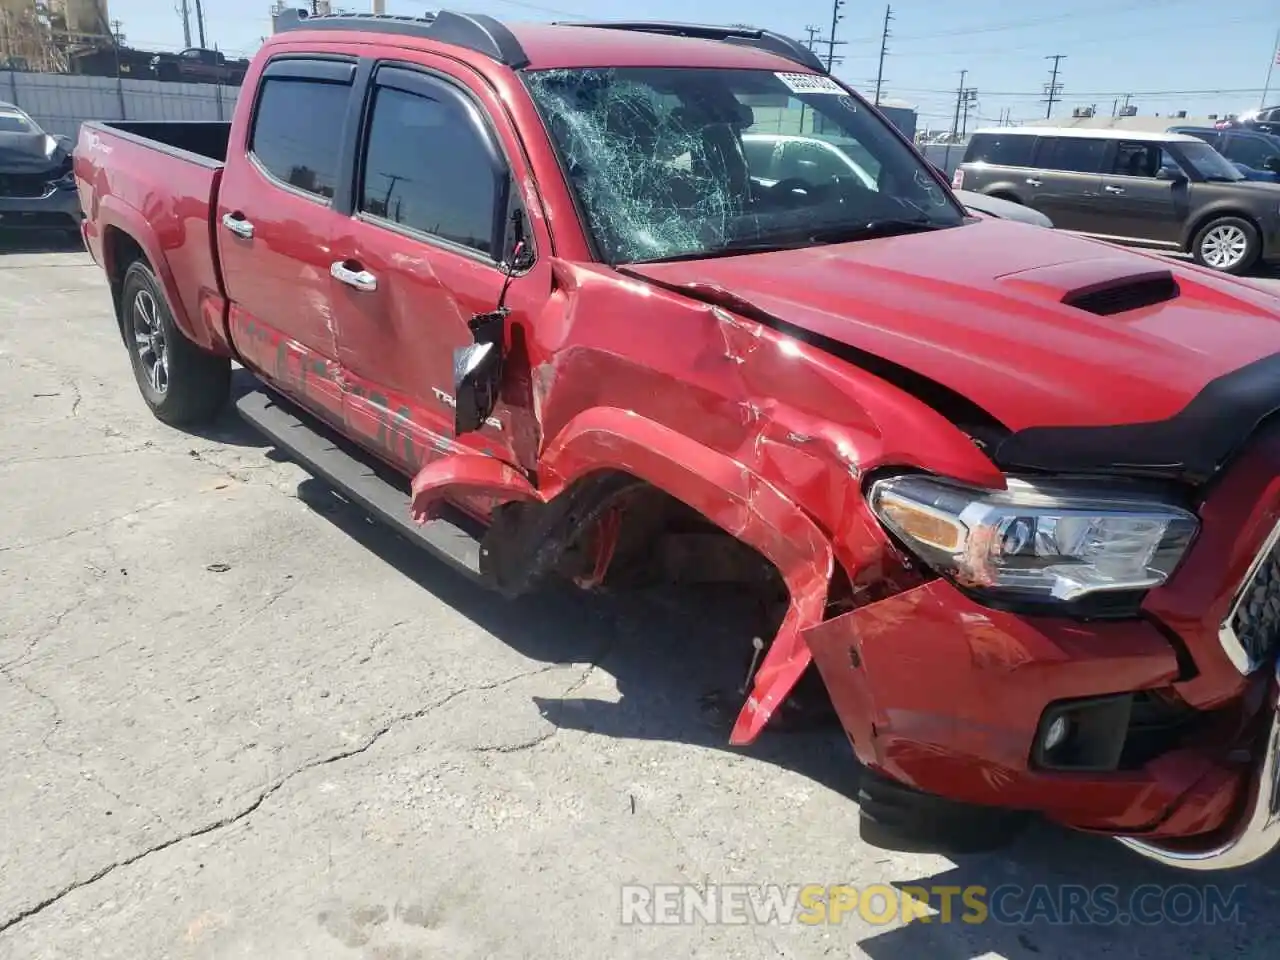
1190, 447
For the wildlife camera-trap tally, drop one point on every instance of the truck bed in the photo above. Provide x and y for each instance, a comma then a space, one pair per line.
157, 183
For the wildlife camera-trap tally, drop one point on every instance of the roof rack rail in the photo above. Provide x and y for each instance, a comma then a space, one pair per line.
477, 32
746, 36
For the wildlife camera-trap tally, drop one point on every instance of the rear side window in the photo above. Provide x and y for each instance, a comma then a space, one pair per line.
297, 132
426, 167
1251, 151
1013, 150
1073, 154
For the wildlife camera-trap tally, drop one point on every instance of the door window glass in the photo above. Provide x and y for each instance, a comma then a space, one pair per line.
297, 132
1136, 159
1251, 151
427, 167
1008, 150
1073, 154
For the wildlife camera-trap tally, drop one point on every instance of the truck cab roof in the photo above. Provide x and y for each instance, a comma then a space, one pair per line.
548, 46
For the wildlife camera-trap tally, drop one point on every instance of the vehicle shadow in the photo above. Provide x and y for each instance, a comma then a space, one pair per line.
675, 669
39, 241
229, 427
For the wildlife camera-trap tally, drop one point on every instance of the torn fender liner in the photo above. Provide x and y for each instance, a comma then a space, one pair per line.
1191, 446
466, 474
735, 499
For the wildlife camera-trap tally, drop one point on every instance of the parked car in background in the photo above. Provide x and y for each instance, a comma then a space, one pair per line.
1264, 120
196, 65
37, 184
1166, 191
1255, 154
819, 160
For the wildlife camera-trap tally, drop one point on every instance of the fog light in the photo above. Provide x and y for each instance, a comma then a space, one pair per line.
1056, 733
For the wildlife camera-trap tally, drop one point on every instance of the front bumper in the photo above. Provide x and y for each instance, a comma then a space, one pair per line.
1257, 831
58, 209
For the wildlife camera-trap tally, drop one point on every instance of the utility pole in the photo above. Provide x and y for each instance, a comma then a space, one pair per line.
831, 38
1054, 87
184, 10
884, 49
967, 97
812, 31
200, 23
955, 124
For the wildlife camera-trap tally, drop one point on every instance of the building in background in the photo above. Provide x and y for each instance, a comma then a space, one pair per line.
50, 35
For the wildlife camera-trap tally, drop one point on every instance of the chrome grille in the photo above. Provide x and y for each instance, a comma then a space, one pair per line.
1251, 634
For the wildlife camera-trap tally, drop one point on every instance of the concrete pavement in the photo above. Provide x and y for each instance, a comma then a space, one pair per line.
242, 721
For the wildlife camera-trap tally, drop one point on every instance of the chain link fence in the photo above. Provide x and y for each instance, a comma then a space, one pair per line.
60, 103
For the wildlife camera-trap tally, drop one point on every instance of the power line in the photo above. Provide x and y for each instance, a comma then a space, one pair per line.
884, 49
1010, 25
1054, 87
1152, 94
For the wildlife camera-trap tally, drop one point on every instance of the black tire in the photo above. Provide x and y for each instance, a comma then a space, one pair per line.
896, 817
193, 385
1211, 239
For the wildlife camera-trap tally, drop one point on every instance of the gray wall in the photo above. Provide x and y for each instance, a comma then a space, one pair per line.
59, 103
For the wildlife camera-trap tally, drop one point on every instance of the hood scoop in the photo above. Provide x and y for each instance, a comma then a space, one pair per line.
1103, 286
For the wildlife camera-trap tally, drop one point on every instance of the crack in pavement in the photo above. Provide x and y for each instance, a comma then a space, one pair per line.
96, 455
263, 795
44, 634
97, 525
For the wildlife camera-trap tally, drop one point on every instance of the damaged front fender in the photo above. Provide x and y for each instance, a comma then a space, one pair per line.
734, 498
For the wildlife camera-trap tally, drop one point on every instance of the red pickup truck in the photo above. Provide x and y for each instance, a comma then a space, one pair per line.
1008, 499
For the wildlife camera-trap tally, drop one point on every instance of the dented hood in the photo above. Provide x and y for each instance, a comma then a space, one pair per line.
979, 309
1038, 328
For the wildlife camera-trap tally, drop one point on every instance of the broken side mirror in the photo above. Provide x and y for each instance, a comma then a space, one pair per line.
477, 367
1272, 163
477, 377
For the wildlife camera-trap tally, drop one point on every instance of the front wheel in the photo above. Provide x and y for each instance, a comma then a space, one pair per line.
181, 383
1228, 244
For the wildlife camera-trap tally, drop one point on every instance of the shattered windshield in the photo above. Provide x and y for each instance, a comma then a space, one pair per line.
684, 162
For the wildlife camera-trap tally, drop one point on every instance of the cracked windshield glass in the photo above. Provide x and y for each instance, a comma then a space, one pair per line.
679, 163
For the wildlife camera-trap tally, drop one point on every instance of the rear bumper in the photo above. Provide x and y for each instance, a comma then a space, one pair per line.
57, 210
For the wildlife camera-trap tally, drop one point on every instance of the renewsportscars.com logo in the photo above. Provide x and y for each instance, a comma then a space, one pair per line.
883, 904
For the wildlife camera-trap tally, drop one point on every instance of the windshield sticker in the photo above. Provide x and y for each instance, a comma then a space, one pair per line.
811, 83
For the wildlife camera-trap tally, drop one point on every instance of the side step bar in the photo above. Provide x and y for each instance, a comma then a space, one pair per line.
337, 461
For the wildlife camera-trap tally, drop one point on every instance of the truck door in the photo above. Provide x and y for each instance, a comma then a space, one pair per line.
433, 208
275, 220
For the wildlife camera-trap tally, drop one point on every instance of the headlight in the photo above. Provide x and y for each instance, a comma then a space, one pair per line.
1038, 540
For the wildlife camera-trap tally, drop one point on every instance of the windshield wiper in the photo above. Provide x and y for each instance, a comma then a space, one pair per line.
879, 227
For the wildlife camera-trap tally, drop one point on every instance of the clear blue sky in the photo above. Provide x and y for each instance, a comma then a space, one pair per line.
1171, 54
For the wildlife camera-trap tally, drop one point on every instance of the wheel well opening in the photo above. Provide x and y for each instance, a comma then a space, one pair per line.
658, 544
1208, 218
1006, 196
119, 250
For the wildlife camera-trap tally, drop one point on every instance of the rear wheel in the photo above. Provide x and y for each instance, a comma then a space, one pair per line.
1228, 244
181, 383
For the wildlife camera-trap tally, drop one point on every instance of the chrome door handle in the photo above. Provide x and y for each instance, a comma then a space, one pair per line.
1114, 189
1033, 182
238, 225
359, 279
